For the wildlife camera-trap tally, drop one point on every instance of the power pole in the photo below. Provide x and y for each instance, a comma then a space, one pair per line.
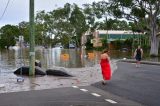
32, 39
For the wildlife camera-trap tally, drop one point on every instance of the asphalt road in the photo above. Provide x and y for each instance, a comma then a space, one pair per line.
141, 85
79, 96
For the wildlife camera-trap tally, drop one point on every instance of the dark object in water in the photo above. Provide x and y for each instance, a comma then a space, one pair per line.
57, 73
38, 63
25, 71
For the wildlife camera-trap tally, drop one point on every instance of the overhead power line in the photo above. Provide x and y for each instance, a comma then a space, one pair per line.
5, 10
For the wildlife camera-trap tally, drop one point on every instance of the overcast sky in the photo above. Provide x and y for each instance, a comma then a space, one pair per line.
18, 10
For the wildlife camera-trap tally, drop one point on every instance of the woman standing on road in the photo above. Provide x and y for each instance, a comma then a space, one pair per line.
138, 55
105, 66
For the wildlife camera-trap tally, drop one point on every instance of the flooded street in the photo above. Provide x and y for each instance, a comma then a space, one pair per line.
83, 65
85, 69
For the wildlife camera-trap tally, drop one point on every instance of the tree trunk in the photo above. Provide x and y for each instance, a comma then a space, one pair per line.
154, 46
154, 38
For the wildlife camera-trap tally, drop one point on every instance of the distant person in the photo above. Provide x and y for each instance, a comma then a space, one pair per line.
138, 56
105, 66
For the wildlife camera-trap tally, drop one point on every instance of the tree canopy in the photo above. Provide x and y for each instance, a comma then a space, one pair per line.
140, 11
8, 35
68, 23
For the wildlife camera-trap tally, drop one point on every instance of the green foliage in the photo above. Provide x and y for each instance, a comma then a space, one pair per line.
8, 35
138, 12
94, 13
43, 29
89, 45
141, 11
99, 48
118, 44
145, 47
104, 42
67, 24
77, 19
24, 30
2, 43
128, 43
112, 24
126, 3
117, 13
70, 22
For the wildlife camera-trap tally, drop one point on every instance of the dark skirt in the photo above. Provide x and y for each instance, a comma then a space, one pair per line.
138, 58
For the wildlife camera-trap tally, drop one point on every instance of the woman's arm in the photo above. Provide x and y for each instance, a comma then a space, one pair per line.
141, 52
135, 52
107, 56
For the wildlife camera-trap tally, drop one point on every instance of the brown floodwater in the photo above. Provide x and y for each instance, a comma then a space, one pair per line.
69, 58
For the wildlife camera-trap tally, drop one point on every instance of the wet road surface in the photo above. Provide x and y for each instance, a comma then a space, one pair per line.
137, 84
72, 96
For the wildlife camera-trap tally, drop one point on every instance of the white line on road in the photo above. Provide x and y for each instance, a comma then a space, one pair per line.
2, 85
75, 86
84, 90
110, 101
95, 94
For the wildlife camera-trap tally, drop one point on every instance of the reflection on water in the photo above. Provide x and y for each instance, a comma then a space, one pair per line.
70, 58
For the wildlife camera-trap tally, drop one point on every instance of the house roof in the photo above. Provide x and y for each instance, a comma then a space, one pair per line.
114, 32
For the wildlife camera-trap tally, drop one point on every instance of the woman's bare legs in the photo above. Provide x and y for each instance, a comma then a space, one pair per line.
138, 64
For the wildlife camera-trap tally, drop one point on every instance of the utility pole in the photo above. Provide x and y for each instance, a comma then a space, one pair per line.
32, 39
